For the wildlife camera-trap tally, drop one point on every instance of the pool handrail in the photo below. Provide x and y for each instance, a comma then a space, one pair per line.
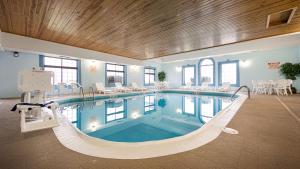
92, 92
81, 92
248, 90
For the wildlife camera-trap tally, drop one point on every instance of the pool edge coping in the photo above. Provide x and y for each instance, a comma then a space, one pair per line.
77, 141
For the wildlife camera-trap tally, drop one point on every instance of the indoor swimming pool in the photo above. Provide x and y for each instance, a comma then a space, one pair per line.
143, 118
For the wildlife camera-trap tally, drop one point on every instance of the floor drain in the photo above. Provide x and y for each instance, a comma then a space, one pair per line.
230, 131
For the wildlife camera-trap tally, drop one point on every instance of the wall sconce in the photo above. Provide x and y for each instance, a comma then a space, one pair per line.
245, 63
178, 69
93, 66
134, 68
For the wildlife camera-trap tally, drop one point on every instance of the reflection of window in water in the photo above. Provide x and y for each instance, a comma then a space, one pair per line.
115, 110
149, 104
71, 114
206, 108
225, 103
189, 105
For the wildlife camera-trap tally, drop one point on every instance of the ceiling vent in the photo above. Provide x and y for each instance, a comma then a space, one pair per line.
280, 18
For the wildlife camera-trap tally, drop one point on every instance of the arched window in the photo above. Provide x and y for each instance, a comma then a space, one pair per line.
207, 71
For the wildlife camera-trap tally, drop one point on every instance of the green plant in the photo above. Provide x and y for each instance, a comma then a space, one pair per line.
161, 76
290, 71
162, 103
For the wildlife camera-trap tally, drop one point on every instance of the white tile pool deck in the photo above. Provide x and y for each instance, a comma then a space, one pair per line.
269, 137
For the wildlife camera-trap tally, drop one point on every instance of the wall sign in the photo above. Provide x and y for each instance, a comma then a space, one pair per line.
273, 65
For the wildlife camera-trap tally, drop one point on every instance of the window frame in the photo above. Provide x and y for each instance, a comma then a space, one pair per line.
116, 71
220, 104
77, 68
150, 105
154, 74
215, 109
183, 74
115, 113
237, 72
214, 71
183, 106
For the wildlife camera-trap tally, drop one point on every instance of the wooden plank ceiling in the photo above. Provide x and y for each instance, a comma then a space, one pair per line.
144, 29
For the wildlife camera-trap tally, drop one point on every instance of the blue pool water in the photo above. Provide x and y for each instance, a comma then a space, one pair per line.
141, 118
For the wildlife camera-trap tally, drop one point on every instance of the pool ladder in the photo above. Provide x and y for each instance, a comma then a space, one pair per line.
113, 96
248, 90
81, 93
196, 92
91, 94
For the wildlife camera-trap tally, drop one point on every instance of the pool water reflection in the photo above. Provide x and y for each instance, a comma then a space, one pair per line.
143, 117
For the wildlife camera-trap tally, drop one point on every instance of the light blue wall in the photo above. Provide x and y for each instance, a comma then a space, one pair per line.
253, 66
299, 52
135, 74
88, 76
9, 68
256, 70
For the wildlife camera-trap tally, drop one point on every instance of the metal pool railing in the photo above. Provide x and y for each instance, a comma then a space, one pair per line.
248, 90
91, 93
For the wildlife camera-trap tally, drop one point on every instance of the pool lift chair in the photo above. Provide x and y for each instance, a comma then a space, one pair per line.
35, 112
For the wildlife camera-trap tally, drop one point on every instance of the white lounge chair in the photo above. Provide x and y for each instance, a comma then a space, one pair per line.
75, 88
225, 87
62, 89
187, 86
135, 87
204, 86
120, 88
160, 85
54, 91
101, 89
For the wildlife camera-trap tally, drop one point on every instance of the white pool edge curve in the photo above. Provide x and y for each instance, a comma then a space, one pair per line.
79, 142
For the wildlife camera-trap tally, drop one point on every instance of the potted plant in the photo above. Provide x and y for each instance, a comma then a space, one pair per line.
161, 76
290, 71
161, 79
